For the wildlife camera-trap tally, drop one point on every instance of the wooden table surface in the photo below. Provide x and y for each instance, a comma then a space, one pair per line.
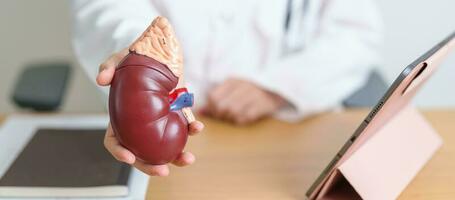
277, 160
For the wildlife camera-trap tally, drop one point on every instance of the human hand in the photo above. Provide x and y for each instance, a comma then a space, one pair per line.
107, 68
104, 78
124, 155
241, 101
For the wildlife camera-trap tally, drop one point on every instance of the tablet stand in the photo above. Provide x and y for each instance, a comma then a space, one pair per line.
385, 164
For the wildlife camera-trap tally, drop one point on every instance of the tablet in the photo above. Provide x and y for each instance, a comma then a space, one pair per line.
396, 98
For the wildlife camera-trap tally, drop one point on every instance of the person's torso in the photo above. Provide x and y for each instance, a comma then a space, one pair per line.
223, 39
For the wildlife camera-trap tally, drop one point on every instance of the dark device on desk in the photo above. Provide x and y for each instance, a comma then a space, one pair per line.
41, 87
65, 163
398, 96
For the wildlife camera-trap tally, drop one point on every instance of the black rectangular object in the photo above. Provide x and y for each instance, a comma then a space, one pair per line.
66, 158
42, 86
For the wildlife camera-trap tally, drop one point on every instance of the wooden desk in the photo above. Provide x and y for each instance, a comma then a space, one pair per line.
276, 160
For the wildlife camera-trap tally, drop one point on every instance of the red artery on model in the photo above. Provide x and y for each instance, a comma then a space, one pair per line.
173, 96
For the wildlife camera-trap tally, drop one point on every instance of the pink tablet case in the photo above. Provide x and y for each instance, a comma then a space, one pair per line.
383, 166
393, 147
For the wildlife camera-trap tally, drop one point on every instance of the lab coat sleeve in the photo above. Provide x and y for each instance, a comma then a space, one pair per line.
332, 66
103, 27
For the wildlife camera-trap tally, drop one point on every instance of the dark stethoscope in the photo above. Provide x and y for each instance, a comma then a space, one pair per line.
287, 22
290, 45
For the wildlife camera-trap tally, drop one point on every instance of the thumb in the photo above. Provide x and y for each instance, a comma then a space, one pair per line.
107, 68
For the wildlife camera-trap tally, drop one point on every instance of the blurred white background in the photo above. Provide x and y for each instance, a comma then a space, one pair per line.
39, 30
413, 27
34, 31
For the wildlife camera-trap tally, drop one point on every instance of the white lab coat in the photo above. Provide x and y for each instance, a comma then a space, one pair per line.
324, 56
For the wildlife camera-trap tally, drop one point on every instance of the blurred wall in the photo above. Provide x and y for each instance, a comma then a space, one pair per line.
39, 30
413, 27
35, 31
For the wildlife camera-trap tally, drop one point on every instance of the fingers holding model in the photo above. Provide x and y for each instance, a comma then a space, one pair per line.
149, 106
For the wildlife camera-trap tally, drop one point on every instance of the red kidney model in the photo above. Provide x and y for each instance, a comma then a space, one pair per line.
149, 106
